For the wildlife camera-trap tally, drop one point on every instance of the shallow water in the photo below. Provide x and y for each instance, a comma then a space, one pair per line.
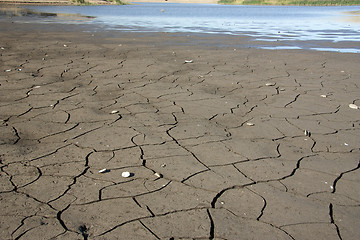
278, 27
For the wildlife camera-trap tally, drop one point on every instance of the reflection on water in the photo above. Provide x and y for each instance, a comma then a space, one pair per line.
280, 26
352, 16
25, 12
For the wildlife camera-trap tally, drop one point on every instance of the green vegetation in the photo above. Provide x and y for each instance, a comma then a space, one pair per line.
86, 2
292, 2
119, 2
82, 2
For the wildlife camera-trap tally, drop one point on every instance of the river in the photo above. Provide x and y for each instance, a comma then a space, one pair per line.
335, 28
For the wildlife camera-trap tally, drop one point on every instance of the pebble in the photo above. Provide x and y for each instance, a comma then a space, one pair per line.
189, 61
104, 170
270, 84
114, 112
323, 95
307, 133
250, 124
158, 175
353, 106
126, 174
8, 70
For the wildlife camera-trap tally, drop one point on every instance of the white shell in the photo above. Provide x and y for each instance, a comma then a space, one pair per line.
126, 174
353, 106
270, 84
250, 124
158, 175
114, 111
103, 170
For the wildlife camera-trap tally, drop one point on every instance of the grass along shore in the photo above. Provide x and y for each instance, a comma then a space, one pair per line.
292, 2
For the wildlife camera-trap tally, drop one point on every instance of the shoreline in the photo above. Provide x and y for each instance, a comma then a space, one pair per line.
102, 2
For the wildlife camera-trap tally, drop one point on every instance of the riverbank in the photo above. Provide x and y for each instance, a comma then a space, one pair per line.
114, 135
58, 2
233, 2
293, 2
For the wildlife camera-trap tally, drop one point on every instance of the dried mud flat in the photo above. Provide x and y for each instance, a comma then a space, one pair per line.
213, 138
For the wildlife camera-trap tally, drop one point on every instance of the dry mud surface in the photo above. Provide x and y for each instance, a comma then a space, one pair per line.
229, 149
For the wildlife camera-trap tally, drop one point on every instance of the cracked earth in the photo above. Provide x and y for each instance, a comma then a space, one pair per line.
213, 138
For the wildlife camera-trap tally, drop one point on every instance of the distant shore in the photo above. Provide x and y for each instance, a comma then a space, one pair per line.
98, 2
227, 2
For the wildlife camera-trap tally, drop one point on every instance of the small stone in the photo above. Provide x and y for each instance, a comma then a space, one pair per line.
307, 133
158, 175
250, 124
37, 87
163, 165
104, 170
270, 84
189, 61
323, 95
126, 174
353, 106
8, 70
2, 48
114, 111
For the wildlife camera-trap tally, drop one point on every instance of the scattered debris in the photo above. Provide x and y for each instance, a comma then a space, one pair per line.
250, 124
270, 84
353, 106
114, 111
189, 61
104, 170
126, 174
307, 133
